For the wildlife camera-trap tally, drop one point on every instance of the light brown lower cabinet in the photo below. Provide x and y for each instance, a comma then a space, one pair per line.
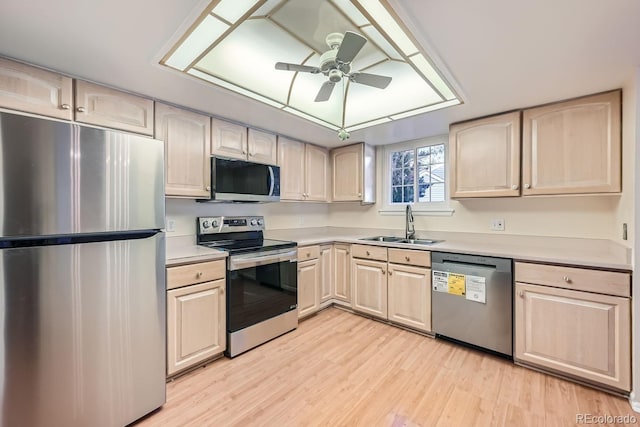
369, 286
196, 314
326, 274
583, 334
341, 286
409, 296
308, 284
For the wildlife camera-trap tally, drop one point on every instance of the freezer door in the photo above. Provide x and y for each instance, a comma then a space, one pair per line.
82, 333
59, 178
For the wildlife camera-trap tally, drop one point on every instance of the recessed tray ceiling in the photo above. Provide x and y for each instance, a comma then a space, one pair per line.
235, 44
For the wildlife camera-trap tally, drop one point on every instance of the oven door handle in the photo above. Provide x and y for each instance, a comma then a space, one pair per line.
241, 262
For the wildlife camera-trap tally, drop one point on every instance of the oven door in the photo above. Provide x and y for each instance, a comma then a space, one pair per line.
260, 285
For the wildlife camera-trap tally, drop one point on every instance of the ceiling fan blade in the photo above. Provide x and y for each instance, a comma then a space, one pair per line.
381, 82
325, 91
296, 67
350, 46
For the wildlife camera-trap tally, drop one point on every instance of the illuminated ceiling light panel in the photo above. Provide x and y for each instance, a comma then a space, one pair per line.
235, 44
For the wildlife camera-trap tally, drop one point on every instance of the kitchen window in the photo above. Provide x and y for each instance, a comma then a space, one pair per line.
415, 173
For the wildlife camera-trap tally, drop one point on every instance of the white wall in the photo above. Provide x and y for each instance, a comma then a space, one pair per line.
277, 215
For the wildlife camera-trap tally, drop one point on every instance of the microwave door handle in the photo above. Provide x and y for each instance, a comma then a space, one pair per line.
272, 179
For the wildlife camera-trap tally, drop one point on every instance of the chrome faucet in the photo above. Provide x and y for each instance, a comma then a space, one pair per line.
410, 230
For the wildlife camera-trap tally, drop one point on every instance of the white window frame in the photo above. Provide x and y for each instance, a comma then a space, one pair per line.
419, 208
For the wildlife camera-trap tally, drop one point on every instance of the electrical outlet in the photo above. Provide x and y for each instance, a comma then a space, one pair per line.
171, 225
497, 224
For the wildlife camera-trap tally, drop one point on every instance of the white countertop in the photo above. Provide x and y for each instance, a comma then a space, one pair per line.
597, 253
183, 250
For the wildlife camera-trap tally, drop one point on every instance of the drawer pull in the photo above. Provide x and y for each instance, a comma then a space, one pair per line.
308, 254
514, 187
81, 109
567, 279
65, 106
368, 253
407, 258
199, 274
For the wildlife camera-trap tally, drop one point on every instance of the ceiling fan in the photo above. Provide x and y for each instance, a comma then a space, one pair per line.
336, 64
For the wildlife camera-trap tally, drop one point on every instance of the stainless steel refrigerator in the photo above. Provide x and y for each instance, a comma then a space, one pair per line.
82, 282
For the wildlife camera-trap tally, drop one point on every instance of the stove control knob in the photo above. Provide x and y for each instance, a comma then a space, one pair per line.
205, 224
260, 222
214, 223
254, 222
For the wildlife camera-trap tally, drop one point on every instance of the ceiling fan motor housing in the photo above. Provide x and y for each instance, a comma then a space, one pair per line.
335, 75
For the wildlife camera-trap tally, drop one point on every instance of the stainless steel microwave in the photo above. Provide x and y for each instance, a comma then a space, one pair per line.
242, 181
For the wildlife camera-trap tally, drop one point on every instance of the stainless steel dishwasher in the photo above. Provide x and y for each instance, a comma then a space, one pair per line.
472, 300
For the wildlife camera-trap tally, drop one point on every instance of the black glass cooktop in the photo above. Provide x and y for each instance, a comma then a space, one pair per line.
253, 245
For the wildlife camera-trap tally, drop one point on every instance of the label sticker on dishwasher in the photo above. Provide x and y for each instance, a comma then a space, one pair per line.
440, 281
476, 289
456, 284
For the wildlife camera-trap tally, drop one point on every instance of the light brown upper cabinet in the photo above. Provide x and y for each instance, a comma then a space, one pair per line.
485, 157
354, 176
237, 142
34, 90
262, 147
573, 146
304, 171
187, 145
103, 106
228, 139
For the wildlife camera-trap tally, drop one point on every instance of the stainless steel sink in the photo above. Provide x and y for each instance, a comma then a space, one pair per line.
383, 239
392, 239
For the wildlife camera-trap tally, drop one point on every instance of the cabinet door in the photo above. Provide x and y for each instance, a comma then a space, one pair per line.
573, 146
291, 162
228, 140
102, 106
262, 147
369, 282
346, 164
187, 144
195, 324
409, 293
342, 273
578, 333
316, 173
485, 157
37, 91
326, 273
308, 281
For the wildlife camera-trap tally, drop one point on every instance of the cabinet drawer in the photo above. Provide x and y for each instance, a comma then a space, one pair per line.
582, 279
195, 273
369, 252
409, 257
308, 252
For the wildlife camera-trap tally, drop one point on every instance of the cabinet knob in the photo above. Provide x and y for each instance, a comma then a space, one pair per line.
521, 294
308, 255
347, 252
389, 272
244, 151
514, 187
65, 106
527, 186
368, 253
221, 291
199, 274
384, 272
359, 194
567, 279
208, 188
81, 109
407, 258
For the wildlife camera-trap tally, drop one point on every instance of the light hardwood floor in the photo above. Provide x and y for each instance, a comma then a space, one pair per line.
340, 369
